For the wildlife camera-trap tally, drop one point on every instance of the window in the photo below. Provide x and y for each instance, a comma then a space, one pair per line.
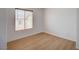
23, 19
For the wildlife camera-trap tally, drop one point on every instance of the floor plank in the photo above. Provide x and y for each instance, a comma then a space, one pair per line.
41, 41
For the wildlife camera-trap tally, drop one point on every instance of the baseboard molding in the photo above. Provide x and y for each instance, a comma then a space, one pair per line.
59, 36
40, 33
24, 36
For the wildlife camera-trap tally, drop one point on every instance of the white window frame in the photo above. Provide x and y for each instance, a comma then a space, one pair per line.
24, 18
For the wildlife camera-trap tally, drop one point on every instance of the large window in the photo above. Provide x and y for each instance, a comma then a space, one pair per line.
23, 19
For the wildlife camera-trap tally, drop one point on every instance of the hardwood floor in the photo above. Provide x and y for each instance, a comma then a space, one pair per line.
41, 41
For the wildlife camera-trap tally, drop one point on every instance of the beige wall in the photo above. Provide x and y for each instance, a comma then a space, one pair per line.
58, 21
77, 44
37, 24
61, 22
3, 28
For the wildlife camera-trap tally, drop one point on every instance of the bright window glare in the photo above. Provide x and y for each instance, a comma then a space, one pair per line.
23, 19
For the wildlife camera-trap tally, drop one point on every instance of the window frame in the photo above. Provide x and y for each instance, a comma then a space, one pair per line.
24, 19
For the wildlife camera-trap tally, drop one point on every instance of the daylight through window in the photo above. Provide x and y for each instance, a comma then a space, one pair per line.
23, 19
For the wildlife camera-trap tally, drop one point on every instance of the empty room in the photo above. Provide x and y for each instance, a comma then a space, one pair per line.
39, 28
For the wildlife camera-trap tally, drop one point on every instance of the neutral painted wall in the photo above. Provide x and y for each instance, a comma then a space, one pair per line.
61, 22
77, 44
37, 24
3, 36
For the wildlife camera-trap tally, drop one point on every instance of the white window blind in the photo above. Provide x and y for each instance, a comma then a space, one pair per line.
23, 19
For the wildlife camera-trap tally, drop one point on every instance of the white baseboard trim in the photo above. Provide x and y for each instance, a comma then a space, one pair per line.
41, 32
23, 36
60, 36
